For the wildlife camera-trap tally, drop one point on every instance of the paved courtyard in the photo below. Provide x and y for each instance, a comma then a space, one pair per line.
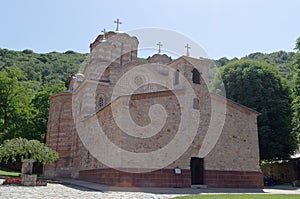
70, 189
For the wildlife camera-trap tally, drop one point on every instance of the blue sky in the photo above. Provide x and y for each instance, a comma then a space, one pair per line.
228, 28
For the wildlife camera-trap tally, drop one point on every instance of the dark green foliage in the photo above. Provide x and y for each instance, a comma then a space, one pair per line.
282, 61
258, 85
15, 107
23, 105
70, 52
27, 51
41, 105
222, 61
296, 92
142, 60
48, 69
32, 149
26, 81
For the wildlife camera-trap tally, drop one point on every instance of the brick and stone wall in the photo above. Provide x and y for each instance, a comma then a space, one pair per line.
62, 137
232, 163
158, 178
237, 148
167, 178
232, 160
233, 179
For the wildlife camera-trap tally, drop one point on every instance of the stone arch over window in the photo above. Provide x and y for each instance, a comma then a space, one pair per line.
196, 76
176, 77
196, 104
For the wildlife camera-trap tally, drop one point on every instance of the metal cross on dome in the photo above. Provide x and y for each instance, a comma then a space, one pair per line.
104, 33
118, 22
187, 49
159, 45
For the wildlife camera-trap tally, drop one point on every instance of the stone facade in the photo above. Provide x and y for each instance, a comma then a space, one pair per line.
170, 113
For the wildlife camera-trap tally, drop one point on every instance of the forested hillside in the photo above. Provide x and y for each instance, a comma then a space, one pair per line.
26, 81
47, 69
260, 81
282, 61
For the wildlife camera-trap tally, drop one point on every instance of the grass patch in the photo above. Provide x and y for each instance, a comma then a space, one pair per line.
241, 196
8, 173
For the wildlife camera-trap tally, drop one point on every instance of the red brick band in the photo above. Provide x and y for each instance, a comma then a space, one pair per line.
167, 178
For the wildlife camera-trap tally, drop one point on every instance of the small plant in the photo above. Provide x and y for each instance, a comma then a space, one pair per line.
30, 151
27, 149
17, 181
12, 181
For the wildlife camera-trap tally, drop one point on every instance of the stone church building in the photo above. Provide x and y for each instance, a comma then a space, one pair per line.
124, 122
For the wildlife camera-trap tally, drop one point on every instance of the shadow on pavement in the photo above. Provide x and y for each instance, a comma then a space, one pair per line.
88, 186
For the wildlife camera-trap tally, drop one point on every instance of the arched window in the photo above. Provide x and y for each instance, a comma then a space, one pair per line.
196, 103
196, 76
100, 102
176, 77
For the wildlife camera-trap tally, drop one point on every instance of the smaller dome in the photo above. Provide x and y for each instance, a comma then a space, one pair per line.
158, 58
79, 77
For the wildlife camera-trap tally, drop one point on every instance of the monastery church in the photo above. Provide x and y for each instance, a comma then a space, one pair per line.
153, 123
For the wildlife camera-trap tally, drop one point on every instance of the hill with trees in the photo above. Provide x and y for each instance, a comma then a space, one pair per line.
296, 92
26, 81
281, 61
45, 69
264, 82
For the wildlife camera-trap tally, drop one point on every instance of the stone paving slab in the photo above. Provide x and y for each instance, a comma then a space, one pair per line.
56, 191
70, 188
280, 189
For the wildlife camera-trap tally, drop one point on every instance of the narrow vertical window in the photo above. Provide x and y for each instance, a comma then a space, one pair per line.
196, 103
196, 76
121, 55
176, 77
131, 55
101, 102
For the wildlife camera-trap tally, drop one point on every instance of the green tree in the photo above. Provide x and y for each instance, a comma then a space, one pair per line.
41, 104
26, 81
26, 149
257, 84
48, 69
222, 61
282, 61
15, 107
296, 92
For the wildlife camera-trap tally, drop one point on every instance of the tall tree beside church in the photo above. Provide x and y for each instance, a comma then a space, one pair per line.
257, 84
23, 110
296, 92
15, 107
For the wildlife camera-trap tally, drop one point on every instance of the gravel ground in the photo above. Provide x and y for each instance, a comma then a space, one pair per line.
68, 191
89, 190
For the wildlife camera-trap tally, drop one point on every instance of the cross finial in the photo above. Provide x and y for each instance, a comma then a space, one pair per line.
159, 45
187, 49
104, 33
118, 22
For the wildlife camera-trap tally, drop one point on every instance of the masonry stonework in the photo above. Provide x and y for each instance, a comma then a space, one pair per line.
233, 161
